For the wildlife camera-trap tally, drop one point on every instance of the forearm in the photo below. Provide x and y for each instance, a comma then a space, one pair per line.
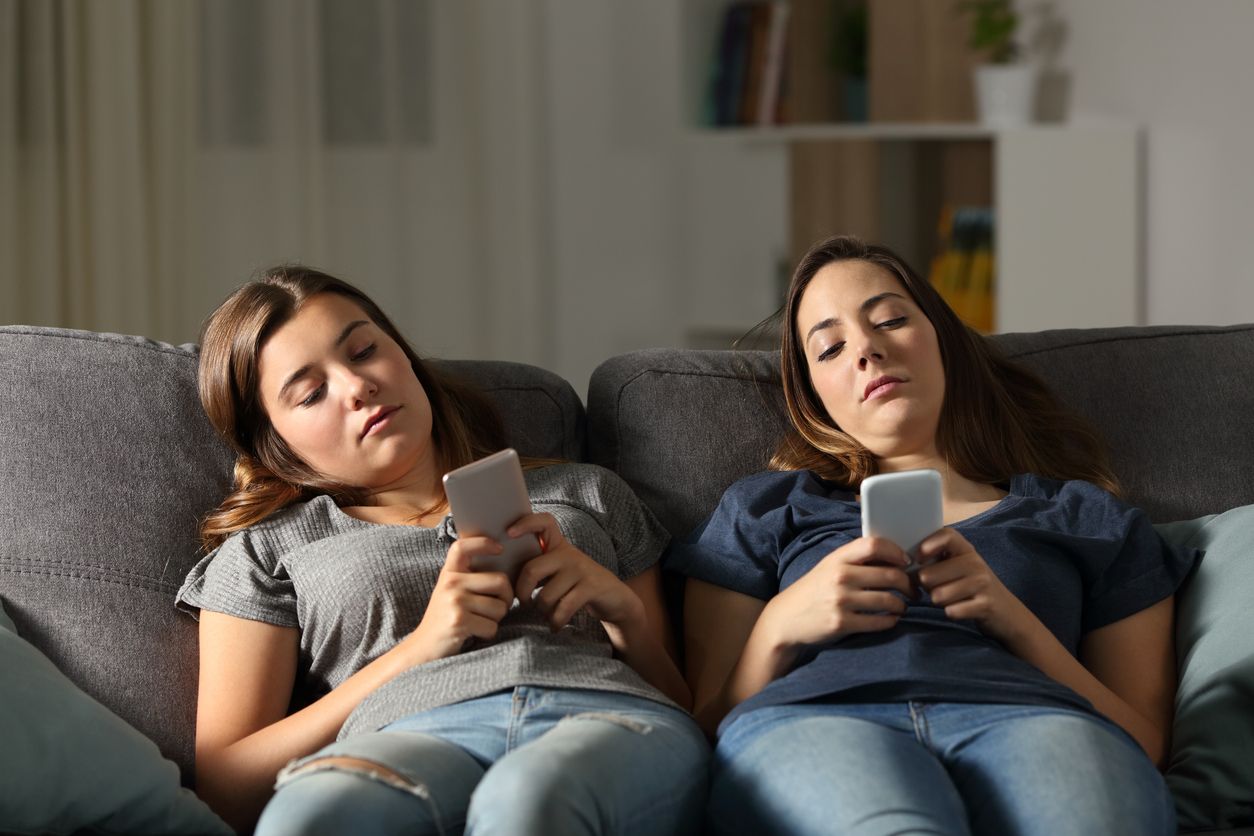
237, 780
639, 646
1037, 645
764, 659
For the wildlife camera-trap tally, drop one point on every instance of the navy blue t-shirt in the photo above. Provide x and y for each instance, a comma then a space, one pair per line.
1074, 554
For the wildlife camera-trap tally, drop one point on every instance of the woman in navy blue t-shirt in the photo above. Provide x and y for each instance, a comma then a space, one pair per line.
1022, 681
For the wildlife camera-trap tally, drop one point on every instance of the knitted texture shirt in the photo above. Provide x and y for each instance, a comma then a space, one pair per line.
354, 589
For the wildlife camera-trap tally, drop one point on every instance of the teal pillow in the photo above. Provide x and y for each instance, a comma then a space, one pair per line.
67, 763
1211, 774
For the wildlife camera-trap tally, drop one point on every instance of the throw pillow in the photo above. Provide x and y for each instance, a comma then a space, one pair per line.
68, 763
1212, 773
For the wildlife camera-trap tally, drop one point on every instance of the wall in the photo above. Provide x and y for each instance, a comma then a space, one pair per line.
1183, 71
566, 212
657, 234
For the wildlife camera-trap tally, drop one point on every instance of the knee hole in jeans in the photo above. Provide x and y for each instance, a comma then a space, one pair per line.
629, 723
353, 766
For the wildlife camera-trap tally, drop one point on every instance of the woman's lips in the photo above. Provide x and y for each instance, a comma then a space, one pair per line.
881, 386
379, 421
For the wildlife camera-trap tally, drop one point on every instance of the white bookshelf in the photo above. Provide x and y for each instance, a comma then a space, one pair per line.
1066, 197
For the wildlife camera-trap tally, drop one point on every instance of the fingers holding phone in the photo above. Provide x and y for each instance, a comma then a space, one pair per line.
959, 580
543, 527
465, 604
564, 580
860, 587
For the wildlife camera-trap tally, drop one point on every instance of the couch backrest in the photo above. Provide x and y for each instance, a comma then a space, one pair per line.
1176, 405
107, 464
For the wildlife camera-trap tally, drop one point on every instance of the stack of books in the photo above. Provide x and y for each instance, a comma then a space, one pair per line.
746, 85
963, 269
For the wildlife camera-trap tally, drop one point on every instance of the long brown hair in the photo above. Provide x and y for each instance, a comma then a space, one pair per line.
269, 476
998, 418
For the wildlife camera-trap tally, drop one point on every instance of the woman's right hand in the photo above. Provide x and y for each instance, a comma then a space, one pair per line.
851, 590
465, 604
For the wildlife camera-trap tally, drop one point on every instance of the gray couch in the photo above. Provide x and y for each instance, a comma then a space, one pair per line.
106, 464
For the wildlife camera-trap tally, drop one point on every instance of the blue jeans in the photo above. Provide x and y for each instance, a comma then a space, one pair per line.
526, 761
936, 768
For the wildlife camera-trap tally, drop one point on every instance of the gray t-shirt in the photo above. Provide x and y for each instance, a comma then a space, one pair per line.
354, 589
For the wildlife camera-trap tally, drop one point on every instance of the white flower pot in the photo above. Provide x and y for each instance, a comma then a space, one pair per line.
1005, 93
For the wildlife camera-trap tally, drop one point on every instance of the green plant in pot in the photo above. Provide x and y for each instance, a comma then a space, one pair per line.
849, 56
1005, 87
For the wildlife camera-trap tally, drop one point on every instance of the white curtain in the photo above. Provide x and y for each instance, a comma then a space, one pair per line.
155, 153
95, 144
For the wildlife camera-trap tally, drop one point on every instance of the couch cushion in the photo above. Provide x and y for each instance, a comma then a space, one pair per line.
107, 464
1174, 403
543, 416
680, 426
1211, 773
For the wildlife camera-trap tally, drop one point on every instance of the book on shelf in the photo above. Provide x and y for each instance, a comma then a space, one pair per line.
746, 80
769, 108
964, 267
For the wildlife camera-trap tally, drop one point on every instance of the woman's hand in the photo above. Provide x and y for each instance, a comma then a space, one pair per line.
463, 605
569, 581
959, 580
849, 591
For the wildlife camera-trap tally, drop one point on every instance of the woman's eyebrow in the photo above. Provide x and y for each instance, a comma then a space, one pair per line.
863, 308
304, 370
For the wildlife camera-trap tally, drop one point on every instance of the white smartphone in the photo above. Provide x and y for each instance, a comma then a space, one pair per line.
903, 507
486, 497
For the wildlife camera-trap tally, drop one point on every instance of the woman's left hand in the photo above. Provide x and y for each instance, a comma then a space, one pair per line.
569, 581
958, 579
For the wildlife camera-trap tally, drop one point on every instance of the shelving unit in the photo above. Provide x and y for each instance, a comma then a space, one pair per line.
1065, 197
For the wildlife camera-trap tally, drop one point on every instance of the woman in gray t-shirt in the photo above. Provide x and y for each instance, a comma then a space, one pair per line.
347, 647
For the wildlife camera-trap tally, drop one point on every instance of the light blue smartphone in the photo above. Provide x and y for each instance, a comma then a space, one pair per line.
903, 507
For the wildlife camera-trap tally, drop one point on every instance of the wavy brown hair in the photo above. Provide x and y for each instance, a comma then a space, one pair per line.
998, 418
269, 476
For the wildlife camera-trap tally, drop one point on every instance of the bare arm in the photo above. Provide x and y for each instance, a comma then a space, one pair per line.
652, 652
717, 625
1133, 664
243, 738
248, 671
737, 644
1126, 669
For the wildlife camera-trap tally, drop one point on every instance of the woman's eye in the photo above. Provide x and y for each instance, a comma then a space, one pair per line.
313, 397
364, 353
831, 351
892, 323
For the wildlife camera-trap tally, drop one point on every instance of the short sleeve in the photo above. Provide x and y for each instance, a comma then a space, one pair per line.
635, 534
1142, 570
241, 578
638, 537
739, 546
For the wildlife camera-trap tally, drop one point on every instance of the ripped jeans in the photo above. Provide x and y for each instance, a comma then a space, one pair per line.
526, 761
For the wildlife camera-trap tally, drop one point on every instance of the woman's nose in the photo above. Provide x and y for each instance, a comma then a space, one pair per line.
359, 389
868, 351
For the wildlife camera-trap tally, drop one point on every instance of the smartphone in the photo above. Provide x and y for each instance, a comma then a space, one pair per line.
903, 507
486, 497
